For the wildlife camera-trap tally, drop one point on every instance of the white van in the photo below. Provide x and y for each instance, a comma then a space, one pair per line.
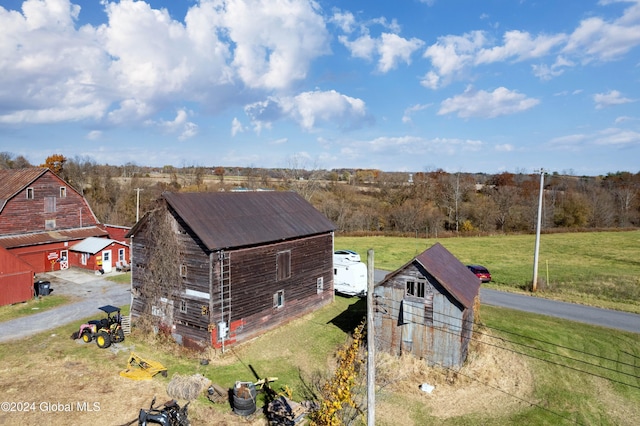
349, 276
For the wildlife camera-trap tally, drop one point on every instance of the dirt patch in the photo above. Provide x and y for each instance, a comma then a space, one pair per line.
491, 381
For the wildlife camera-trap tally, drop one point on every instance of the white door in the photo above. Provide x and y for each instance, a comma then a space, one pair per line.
106, 261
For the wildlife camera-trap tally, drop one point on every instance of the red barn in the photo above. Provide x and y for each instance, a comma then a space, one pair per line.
41, 216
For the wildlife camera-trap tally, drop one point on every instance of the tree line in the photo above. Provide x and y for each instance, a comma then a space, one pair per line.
372, 201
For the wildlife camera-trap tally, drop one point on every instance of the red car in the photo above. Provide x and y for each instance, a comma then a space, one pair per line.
481, 272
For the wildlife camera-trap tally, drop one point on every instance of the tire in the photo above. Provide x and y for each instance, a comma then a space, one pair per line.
86, 336
103, 340
245, 403
243, 407
118, 336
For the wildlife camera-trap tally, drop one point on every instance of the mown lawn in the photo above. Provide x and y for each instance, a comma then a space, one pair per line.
595, 268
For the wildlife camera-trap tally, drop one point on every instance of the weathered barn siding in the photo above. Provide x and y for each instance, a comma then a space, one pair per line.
237, 285
55, 205
432, 324
41, 215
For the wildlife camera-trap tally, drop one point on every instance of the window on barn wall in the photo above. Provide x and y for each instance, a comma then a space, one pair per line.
183, 306
278, 299
415, 288
319, 285
50, 224
30, 194
63, 192
183, 271
49, 204
283, 265
121, 255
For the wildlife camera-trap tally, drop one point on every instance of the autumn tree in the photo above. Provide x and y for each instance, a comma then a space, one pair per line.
55, 163
219, 171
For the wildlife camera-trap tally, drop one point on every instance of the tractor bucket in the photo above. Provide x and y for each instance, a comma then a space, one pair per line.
142, 369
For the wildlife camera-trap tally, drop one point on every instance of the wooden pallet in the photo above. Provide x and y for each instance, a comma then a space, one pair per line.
125, 322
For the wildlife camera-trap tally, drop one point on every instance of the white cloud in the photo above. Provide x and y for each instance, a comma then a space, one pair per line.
180, 125
610, 137
388, 47
406, 118
274, 42
236, 127
363, 47
507, 147
618, 137
310, 108
611, 98
482, 104
451, 54
520, 46
141, 59
393, 49
94, 135
345, 20
596, 38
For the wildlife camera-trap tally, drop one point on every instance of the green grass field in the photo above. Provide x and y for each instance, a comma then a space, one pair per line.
522, 368
595, 268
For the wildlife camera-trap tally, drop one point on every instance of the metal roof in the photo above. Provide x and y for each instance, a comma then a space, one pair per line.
12, 181
454, 276
38, 238
240, 219
93, 245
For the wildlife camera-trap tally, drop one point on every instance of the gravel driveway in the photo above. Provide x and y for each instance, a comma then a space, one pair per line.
90, 292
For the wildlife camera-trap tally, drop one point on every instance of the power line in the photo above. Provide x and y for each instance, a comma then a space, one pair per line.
532, 356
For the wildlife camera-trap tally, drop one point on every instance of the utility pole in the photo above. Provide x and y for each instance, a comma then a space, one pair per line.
138, 204
537, 248
371, 368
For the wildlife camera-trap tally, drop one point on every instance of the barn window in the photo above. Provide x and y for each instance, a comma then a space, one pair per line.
278, 299
50, 224
319, 285
183, 271
29, 193
84, 258
283, 265
183, 306
63, 191
121, 255
415, 288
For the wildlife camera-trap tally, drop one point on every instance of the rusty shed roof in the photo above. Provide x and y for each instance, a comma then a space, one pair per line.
455, 277
239, 219
47, 237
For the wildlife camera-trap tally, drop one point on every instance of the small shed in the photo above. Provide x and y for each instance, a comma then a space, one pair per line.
16, 279
426, 308
99, 254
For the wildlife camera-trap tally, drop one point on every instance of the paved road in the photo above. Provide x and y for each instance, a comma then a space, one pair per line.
586, 314
93, 291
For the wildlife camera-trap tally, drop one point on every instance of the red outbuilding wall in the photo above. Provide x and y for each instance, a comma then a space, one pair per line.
16, 279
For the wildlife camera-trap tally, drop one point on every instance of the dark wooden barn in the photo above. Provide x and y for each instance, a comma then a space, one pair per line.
247, 262
425, 308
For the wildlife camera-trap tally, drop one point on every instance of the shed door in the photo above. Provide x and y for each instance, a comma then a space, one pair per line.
106, 261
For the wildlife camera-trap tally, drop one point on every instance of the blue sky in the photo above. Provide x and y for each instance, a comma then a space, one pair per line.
412, 85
